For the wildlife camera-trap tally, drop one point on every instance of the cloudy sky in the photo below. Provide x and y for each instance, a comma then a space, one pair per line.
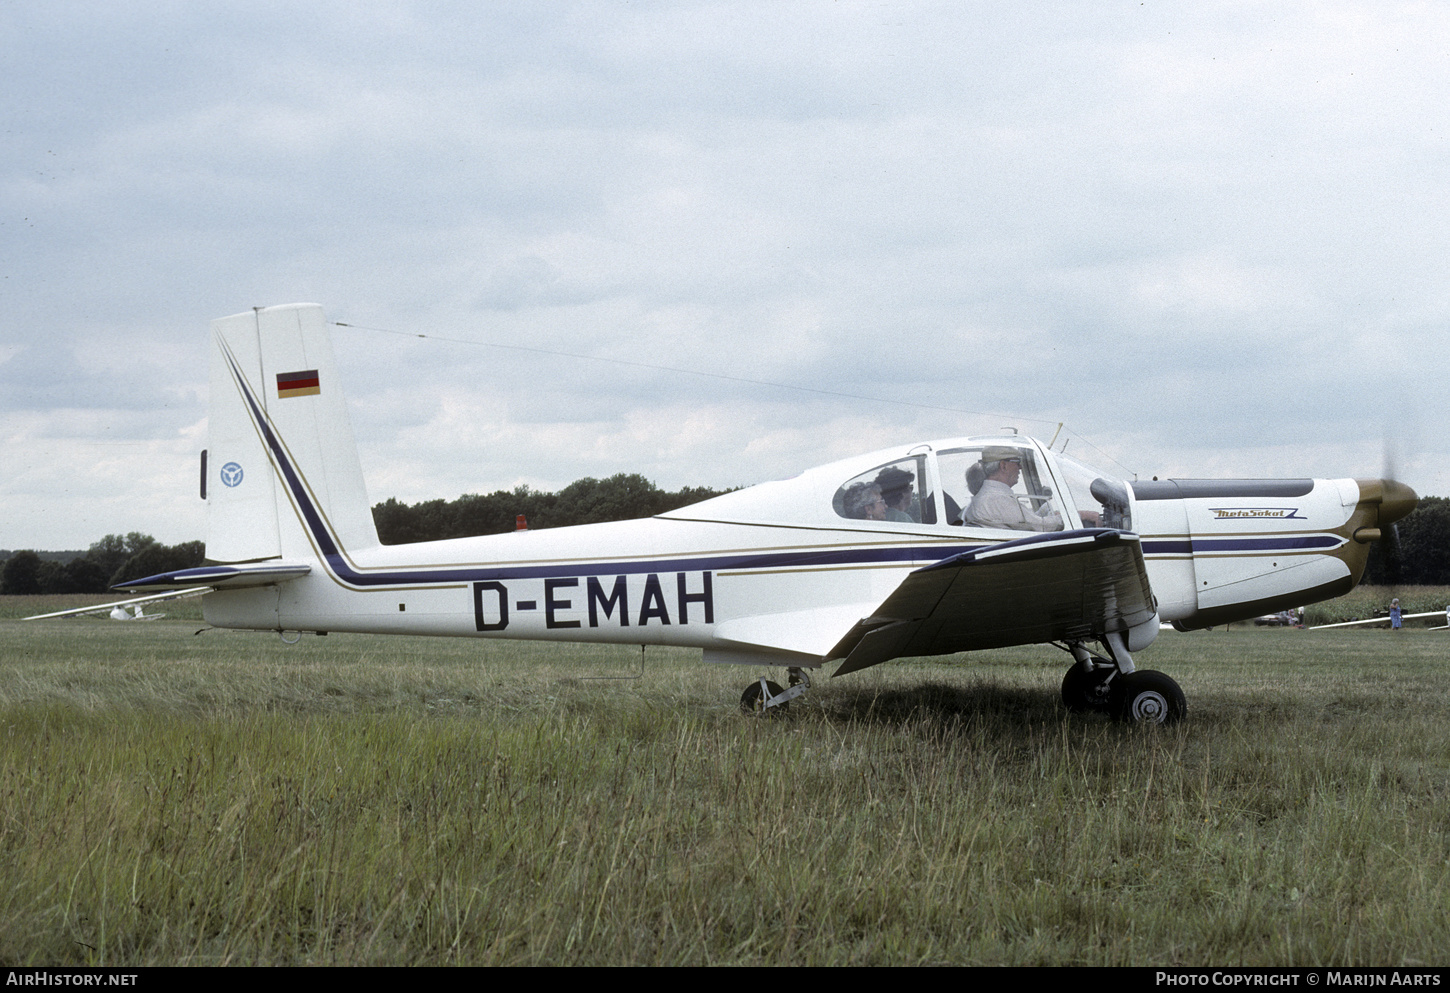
1210, 238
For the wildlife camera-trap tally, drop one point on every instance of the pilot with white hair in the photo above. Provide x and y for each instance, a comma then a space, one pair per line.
995, 505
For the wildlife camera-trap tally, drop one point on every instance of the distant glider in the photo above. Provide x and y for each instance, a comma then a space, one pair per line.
117, 611
1385, 619
923, 549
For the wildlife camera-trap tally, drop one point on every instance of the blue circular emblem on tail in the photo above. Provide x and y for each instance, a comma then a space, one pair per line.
232, 474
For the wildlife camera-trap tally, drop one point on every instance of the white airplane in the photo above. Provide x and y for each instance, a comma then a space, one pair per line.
855, 563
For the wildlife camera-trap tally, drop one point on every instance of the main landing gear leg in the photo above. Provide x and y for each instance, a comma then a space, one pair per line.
763, 696
1087, 685
1116, 687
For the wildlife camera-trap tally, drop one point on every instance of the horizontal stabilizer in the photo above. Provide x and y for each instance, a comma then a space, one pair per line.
1071, 585
221, 577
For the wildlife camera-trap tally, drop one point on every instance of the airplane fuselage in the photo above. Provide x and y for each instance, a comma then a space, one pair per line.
750, 588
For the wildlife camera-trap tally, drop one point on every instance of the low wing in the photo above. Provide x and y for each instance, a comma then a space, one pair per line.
1379, 620
193, 582
1045, 587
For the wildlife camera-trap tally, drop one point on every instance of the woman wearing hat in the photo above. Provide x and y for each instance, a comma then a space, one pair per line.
895, 487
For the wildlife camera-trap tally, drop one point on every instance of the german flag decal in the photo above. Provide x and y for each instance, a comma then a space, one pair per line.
298, 384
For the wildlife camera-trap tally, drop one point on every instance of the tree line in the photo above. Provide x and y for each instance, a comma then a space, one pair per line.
621, 497
118, 558
1422, 558
114, 559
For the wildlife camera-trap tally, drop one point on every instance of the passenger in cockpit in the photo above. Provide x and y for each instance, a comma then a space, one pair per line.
995, 505
863, 503
896, 491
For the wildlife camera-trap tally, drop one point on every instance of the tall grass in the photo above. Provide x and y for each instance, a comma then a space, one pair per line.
168, 798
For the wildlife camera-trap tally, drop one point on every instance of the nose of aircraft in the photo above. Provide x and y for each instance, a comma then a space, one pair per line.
1393, 499
1396, 500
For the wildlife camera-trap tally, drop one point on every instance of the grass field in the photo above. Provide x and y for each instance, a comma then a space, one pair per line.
172, 798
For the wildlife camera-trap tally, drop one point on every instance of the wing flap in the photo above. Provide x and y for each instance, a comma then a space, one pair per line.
1048, 587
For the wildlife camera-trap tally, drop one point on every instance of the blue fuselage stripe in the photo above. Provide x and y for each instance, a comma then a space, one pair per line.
714, 563
1199, 546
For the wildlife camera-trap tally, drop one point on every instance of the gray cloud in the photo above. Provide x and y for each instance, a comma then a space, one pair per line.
1205, 238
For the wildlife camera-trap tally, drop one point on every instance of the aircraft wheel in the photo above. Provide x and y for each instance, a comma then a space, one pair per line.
753, 702
1086, 692
1148, 697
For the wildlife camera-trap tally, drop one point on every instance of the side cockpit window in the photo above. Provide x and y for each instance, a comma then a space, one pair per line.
891, 493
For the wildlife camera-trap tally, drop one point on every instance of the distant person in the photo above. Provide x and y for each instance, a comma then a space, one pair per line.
1395, 614
995, 505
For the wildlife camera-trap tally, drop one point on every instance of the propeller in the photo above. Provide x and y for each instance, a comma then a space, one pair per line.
1389, 501
1390, 543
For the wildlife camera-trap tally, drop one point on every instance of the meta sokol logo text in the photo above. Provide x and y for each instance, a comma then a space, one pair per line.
592, 601
1276, 513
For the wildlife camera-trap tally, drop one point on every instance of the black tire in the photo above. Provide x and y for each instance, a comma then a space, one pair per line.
752, 702
1148, 697
1087, 692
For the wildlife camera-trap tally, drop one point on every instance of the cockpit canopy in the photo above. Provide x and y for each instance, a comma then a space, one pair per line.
995, 484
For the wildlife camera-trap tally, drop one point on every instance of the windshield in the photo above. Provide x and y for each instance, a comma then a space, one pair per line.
1096, 495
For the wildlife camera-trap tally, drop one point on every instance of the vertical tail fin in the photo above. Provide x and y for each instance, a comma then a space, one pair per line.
285, 475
